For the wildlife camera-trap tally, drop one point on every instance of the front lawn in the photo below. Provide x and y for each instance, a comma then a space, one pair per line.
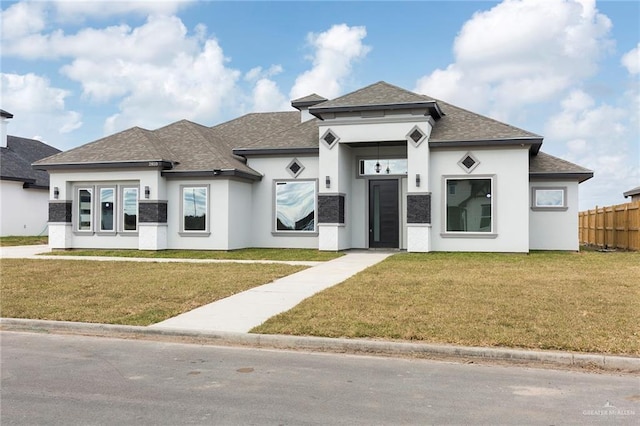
23, 241
129, 293
587, 301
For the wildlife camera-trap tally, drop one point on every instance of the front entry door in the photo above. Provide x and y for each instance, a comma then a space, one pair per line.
383, 214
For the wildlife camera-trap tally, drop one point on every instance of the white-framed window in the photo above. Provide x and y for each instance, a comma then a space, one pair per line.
469, 205
107, 209
84, 209
129, 211
549, 198
295, 205
194, 209
104, 209
383, 166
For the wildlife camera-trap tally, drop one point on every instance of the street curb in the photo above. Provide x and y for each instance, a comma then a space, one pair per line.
325, 344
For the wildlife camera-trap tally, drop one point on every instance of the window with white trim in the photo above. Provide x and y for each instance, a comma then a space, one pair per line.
295, 206
106, 209
546, 198
195, 208
84, 222
469, 204
129, 209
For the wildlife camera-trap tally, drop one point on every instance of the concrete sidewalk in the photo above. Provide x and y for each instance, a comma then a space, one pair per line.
243, 311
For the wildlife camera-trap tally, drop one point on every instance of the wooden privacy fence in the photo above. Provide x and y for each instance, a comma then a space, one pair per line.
611, 227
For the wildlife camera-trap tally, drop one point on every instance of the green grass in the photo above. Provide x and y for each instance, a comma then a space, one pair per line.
23, 241
129, 293
241, 254
586, 301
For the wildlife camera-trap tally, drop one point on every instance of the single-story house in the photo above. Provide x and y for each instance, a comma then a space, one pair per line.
633, 193
24, 191
381, 167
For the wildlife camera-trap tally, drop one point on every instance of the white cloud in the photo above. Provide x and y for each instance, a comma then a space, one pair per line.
21, 19
521, 52
267, 97
77, 10
195, 87
600, 137
38, 108
631, 60
259, 73
336, 50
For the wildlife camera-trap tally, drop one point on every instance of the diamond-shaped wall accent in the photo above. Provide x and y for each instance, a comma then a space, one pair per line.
416, 135
468, 162
329, 138
295, 167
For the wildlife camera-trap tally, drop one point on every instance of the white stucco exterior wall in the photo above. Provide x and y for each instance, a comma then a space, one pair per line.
22, 211
263, 210
63, 236
509, 169
241, 214
553, 229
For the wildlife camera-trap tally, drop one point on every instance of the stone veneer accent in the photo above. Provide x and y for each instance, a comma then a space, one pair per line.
152, 212
419, 208
331, 208
60, 211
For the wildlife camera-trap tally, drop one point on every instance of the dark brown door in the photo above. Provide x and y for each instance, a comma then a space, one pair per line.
384, 222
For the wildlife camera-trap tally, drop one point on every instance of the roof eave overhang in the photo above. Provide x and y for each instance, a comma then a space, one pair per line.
26, 181
631, 193
154, 164
533, 143
244, 152
214, 173
579, 176
432, 107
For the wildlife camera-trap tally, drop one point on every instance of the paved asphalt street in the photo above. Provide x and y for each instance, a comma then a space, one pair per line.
64, 379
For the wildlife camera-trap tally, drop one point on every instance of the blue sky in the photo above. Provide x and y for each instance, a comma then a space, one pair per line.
73, 72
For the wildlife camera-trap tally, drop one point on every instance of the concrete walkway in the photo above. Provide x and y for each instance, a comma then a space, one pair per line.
243, 311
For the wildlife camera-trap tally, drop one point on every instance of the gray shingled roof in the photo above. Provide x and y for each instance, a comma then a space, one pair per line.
631, 192
380, 93
459, 125
307, 101
5, 114
193, 148
135, 144
16, 159
544, 165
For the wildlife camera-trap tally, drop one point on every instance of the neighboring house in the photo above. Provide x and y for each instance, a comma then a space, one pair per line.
381, 167
633, 193
24, 195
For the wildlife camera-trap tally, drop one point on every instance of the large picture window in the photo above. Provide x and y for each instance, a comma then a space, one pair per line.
129, 209
469, 205
107, 208
195, 208
84, 222
295, 205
